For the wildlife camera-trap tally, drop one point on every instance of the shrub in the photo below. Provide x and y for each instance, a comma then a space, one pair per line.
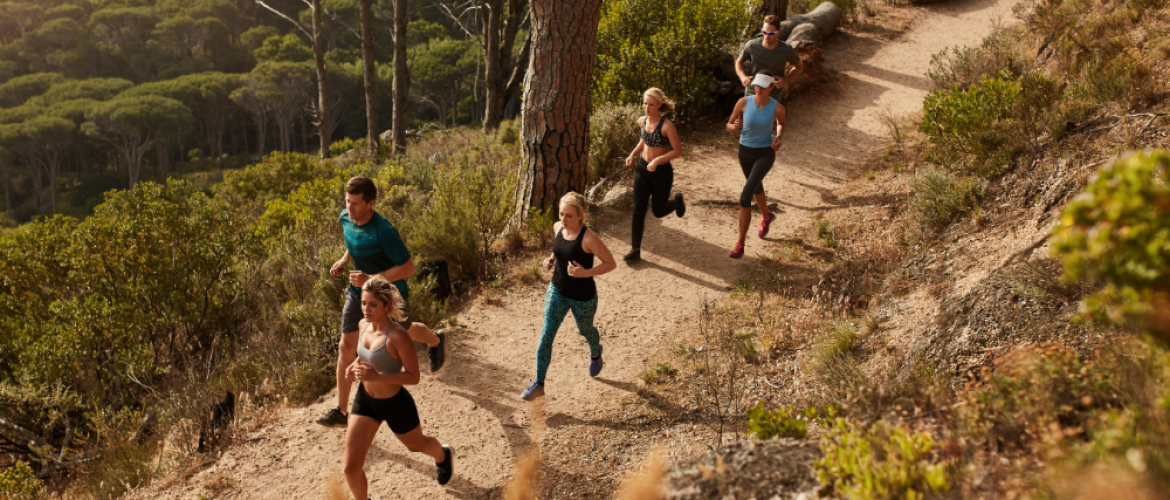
939, 198
338, 148
277, 175
463, 217
782, 423
1117, 233
963, 67
424, 306
613, 133
509, 132
983, 128
641, 45
1030, 390
19, 483
881, 461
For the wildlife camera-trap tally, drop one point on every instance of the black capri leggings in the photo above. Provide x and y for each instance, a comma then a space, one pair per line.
651, 187
756, 163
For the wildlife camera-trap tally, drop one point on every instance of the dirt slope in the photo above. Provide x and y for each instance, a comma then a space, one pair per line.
473, 403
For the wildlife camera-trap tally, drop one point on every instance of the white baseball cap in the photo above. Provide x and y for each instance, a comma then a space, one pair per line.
762, 80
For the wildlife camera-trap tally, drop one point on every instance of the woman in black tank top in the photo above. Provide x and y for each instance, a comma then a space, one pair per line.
654, 176
572, 288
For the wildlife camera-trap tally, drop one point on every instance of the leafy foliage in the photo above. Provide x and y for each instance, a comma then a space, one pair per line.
782, 423
939, 198
1118, 233
19, 483
642, 45
983, 128
276, 176
881, 461
613, 133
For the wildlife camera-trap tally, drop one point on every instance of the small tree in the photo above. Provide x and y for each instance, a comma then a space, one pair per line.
44, 144
132, 125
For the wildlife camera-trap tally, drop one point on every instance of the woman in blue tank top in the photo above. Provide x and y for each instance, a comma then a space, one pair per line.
571, 288
756, 116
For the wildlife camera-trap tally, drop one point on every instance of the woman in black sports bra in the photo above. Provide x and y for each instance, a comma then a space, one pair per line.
654, 176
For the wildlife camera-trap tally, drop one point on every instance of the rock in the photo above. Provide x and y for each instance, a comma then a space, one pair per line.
620, 197
826, 17
780, 468
591, 194
806, 32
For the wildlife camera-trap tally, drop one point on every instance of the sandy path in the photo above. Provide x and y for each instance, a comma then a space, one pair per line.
473, 402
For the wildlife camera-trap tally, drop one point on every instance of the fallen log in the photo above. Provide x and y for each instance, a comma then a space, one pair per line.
826, 18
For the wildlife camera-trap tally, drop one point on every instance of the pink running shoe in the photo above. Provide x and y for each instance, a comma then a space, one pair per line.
765, 224
737, 252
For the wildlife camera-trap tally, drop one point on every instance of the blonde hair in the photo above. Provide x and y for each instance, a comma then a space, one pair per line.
575, 200
386, 292
665, 104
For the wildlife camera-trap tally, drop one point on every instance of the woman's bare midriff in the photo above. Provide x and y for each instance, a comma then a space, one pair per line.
381, 391
649, 153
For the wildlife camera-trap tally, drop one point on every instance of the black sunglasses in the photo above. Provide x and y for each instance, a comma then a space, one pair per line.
769, 33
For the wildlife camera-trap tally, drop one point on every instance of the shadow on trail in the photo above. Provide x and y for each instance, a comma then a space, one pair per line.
458, 487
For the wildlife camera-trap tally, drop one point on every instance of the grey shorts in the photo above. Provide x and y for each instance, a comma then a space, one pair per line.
351, 312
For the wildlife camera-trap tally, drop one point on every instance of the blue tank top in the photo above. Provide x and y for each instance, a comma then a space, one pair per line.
758, 124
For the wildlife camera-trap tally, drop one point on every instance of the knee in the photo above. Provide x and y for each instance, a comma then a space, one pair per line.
745, 200
353, 468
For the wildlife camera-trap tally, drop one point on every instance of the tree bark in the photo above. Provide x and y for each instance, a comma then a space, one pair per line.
772, 8
493, 73
371, 79
401, 83
555, 123
322, 82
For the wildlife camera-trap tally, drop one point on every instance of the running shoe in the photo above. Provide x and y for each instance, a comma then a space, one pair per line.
438, 354
634, 256
334, 418
682, 205
447, 466
766, 223
737, 252
596, 364
533, 391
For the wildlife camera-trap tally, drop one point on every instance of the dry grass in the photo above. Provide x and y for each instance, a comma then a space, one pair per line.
645, 484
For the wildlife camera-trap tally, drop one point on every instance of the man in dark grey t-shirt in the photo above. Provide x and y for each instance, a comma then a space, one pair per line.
770, 53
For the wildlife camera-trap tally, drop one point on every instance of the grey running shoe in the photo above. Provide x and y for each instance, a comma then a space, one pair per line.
334, 418
438, 354
533, 391
447, 466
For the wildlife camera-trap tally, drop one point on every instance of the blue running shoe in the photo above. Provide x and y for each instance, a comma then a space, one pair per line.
595, 364
533, 391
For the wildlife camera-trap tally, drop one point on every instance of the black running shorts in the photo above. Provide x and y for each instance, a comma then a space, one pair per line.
398, 411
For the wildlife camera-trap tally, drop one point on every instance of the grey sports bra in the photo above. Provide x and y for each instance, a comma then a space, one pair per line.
378, 358
655, 139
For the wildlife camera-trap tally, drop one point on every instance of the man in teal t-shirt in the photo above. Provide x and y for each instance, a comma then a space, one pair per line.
374, 247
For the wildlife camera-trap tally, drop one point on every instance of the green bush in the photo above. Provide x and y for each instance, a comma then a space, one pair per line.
939, 198
613, 133
463, 217
983, 128
1030, 390
963, 67
640, 45
881, 461
782, 423
338, 148
1117, 233
277, 175
509, 132
19, 483
424, 306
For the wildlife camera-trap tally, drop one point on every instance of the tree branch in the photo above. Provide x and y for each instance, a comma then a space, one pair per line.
335, 19
289, 19
33, 438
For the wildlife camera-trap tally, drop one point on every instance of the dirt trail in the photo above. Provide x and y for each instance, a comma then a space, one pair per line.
473, 402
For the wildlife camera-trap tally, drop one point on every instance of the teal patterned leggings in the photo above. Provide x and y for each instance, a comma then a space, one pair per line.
555, 308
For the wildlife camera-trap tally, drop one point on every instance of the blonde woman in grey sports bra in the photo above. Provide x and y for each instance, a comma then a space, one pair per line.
385, 362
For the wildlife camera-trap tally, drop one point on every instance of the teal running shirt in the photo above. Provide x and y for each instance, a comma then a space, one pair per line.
375, 247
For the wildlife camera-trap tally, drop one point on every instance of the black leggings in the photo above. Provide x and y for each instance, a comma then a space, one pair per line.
756, 163
649, 185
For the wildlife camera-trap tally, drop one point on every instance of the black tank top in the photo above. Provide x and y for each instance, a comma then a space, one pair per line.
566, 251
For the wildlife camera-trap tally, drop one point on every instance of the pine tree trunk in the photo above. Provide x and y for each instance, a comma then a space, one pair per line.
772, 8
401, 78
493, 72
322, 85
555, 120
371, 77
